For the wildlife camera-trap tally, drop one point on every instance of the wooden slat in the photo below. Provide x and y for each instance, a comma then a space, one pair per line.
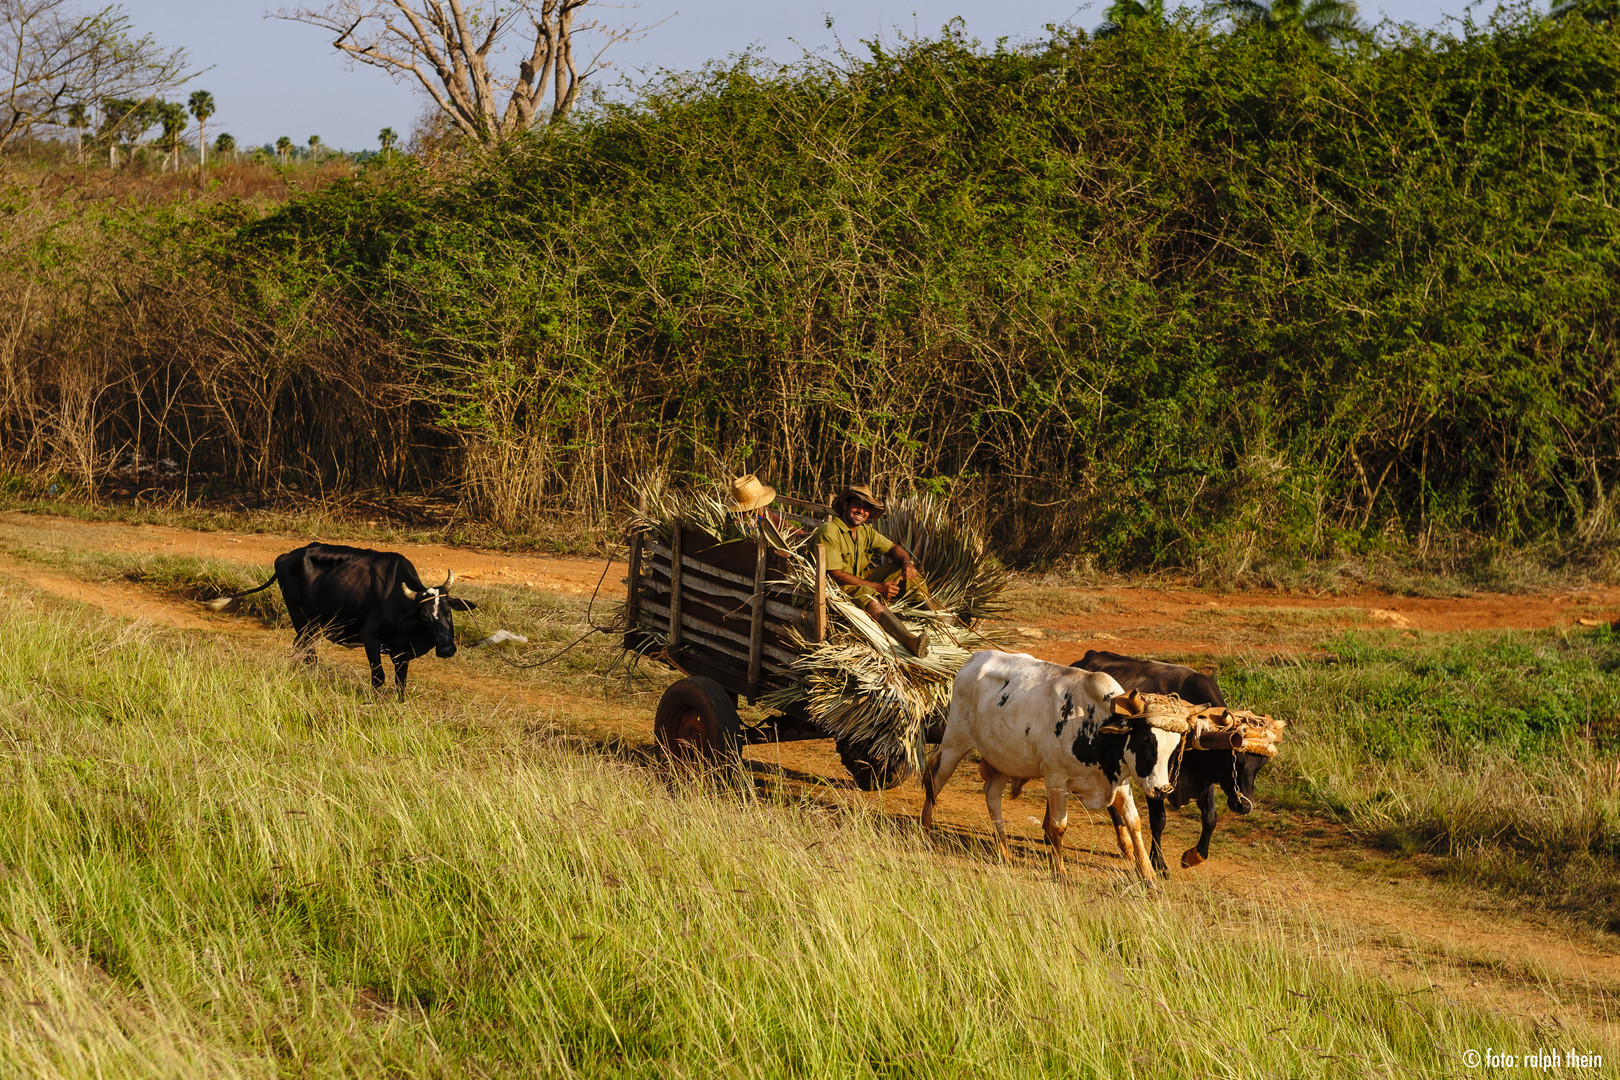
819, 611
692, 580
756, 629
700, 659
675, 588
693, 583
691, 568
690, 563
708, 629
723, 613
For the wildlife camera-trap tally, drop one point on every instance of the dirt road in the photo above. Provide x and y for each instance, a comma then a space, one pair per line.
1404, 922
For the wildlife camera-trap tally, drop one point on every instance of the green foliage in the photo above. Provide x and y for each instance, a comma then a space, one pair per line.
1498, 751
1173, 296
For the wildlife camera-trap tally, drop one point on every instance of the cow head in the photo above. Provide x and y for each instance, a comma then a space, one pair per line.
433, 608
1151, 753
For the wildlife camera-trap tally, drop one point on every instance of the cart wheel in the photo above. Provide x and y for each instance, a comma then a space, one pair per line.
697, 722
872, 773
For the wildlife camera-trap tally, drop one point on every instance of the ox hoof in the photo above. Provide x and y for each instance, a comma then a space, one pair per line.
1190, 858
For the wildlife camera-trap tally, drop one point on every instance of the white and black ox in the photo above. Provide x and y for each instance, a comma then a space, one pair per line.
356, 596
1029, 720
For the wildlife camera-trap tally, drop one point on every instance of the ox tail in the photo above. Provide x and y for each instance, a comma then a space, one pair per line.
226, 601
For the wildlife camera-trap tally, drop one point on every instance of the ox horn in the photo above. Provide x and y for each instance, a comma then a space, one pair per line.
409, 594
450, 579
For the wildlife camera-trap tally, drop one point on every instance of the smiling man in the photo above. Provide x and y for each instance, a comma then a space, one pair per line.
852, 546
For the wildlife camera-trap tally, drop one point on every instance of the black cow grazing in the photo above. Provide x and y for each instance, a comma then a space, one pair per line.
355, 596
1233, 771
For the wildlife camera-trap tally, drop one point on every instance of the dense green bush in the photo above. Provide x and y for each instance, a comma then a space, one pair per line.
1176, 296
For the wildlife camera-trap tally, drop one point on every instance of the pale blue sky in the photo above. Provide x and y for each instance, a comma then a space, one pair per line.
273, 78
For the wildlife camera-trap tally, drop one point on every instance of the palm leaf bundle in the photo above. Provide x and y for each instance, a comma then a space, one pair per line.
859, 684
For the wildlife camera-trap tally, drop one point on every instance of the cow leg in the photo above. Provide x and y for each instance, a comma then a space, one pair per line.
304, 634
1123, 831
1156, 816
941, 764
993, 783
1129, 831
374, 658
401, 669
1206, 808
1056, 823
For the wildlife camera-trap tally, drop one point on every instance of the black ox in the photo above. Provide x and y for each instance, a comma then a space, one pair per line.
374, 599
1202, 771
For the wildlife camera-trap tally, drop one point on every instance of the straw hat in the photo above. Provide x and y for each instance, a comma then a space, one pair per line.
861, 492
750, 493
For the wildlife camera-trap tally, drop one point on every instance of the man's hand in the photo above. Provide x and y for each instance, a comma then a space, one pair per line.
886, 589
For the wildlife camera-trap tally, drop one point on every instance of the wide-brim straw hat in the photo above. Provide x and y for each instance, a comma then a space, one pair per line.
750, 493
861, 492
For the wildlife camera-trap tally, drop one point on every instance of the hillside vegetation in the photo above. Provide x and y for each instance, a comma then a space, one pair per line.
1175, 297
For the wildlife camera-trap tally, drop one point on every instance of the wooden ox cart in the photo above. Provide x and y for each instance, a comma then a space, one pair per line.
725, 614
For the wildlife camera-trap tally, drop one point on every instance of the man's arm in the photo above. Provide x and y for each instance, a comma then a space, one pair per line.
907, 563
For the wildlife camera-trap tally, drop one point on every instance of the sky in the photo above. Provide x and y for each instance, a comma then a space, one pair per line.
270, 77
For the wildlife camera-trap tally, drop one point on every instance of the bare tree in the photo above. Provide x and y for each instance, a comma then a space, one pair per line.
52, 56
447, 46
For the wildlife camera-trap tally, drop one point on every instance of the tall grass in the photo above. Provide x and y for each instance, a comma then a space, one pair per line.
215, 866
1500, 751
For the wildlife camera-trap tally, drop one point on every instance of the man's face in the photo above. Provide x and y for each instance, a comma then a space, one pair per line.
855, 513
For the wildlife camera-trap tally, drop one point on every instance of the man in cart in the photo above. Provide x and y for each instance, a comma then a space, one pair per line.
852, 546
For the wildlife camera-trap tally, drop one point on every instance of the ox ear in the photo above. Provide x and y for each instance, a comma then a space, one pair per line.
459, 604
409, 595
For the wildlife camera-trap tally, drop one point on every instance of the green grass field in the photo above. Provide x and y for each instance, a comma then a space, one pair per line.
214, 865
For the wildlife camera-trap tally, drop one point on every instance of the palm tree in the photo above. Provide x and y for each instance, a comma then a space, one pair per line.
387, 137
172, 115
225, 145
284, 147
202, 107
1123, 14
315, 147
1330, 22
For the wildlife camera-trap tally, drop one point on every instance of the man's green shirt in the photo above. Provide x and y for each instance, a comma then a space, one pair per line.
851, 550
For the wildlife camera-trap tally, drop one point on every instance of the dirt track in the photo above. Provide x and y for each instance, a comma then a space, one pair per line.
1404, 923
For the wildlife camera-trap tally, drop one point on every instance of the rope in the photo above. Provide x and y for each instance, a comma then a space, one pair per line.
590, 619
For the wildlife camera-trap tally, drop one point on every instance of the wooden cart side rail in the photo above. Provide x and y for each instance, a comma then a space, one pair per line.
700, 659
776, 633
697, 626
691, 583
756, 629
661, 559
